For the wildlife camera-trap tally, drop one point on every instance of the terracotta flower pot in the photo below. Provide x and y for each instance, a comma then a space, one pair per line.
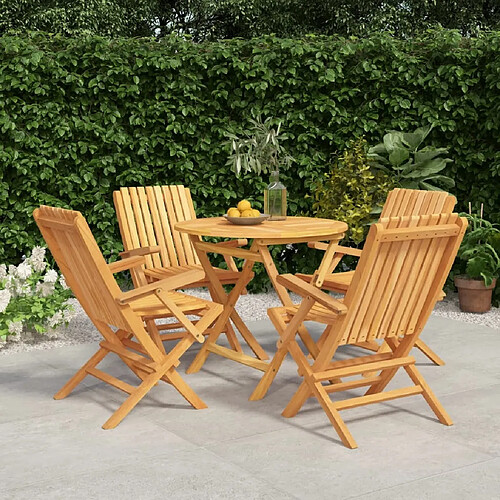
473, 295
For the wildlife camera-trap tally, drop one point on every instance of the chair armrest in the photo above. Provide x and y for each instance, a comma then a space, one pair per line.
166, 285
127, 263
240, 242
355, 252
319, 245
140, 251
304, 289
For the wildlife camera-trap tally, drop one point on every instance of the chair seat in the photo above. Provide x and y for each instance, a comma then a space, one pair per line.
318, 313
151, 305
337, 282
226, 276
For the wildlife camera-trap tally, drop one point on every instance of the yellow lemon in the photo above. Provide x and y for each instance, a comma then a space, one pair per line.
233, 212
244, 205
247, 213
255, 212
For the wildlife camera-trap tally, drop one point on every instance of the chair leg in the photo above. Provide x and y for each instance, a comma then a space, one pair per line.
185, 390
298, 399
323, 337
132, 400
81, 374
265, 382
420, 344
333, 415
287, 334
155, 334
400, 348
308, 389
428, 395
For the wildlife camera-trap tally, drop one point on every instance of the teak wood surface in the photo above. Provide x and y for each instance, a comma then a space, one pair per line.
147, 217
291, 230
399, 203
393, 291
126, 320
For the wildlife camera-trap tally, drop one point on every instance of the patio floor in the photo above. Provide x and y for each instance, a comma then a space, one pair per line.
241, 449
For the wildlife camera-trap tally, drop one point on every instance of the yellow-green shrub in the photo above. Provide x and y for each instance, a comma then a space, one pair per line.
352, 191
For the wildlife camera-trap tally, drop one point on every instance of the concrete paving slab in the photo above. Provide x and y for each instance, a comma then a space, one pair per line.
243, 449
389, 453
179, 475
473, 482
61, 445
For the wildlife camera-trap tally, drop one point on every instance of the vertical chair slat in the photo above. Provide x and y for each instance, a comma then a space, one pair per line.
436, 250
129, 214
154, 259
395, 307
183, 213
392, 277
165, 227
374, 285
170, 198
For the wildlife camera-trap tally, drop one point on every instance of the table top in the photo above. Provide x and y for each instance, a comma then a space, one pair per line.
289, 229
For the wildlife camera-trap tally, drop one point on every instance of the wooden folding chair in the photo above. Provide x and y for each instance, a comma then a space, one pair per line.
120, 316
396, 284
147, 216
400, 202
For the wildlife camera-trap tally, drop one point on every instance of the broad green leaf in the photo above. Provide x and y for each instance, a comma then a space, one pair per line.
441, 180
398, 155
429, 153
392, 140
428, 168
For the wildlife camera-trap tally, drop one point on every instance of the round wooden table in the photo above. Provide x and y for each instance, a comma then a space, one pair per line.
290, 230
294, 229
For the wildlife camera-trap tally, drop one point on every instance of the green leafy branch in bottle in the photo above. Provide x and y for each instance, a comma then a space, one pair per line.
260, 150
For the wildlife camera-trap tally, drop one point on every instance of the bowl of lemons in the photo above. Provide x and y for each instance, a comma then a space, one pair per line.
244, 215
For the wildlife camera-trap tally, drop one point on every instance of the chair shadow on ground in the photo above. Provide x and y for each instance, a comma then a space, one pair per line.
239, 387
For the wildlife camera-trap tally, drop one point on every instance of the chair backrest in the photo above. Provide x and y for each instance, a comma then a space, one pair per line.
81, 262
400, 275
402, 202
147, 215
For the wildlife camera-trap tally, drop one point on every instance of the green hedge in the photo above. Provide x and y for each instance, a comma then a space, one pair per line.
81, 117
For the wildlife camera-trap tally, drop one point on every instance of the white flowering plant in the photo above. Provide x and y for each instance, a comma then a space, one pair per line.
33, 298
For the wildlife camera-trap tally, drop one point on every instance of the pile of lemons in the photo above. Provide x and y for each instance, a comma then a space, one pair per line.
243, 209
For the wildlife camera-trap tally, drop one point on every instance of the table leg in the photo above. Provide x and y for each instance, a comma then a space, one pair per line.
230, 333
284, 297
229, 312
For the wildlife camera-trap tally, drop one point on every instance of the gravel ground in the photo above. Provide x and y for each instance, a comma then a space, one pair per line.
250, 307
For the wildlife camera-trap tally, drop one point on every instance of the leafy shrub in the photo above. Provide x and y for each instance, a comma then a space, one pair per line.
352, 191
80, 117
33, 297
413, 167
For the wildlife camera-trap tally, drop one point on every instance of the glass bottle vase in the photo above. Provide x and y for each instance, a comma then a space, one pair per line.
275, 198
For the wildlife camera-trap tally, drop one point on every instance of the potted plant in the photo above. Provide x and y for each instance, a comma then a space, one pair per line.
479, 255
260, 151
